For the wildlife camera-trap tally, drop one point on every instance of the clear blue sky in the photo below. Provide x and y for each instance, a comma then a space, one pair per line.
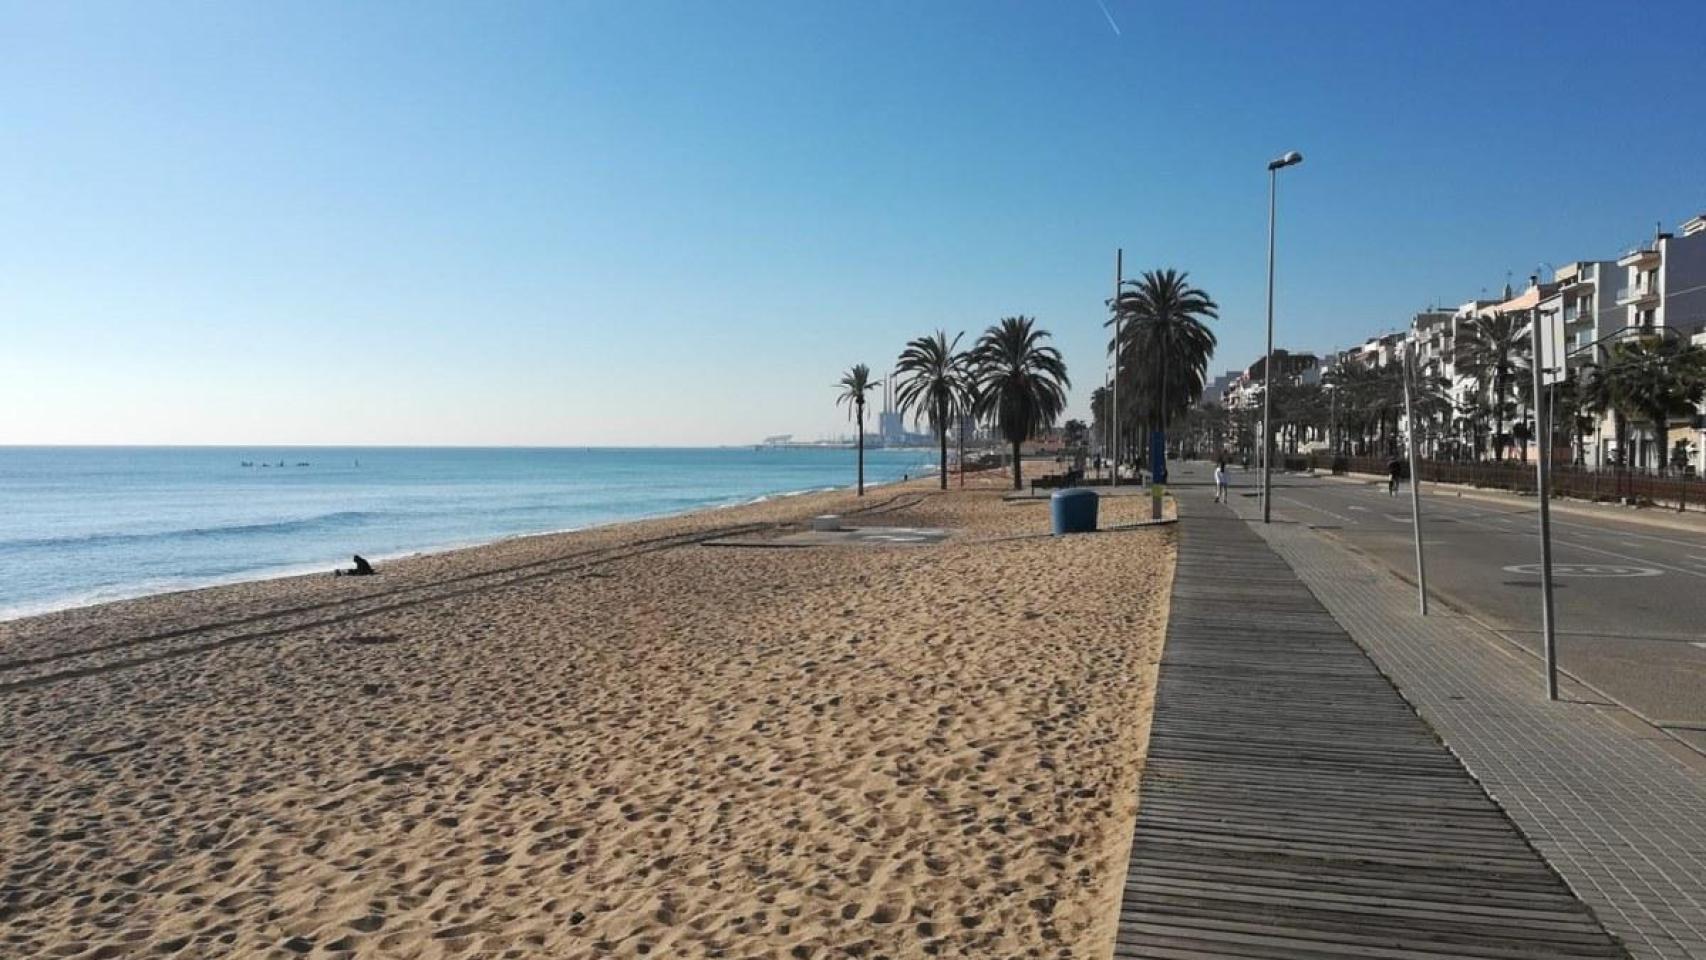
675, 223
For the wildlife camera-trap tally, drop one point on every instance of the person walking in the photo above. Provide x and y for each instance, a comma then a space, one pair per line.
1220, 482
1394, 474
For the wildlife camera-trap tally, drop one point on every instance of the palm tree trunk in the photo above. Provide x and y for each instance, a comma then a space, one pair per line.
1159, 470
1018, 482
942, 435
861, 418
1499, 420
1661, 439
962, 452
1620, 429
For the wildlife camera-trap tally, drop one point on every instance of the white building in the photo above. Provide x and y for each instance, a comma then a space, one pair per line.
1215, 390
1664, 287
1245, 389
1665, 281
1585, 293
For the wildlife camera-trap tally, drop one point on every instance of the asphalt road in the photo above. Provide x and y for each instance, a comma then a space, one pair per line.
1630, 599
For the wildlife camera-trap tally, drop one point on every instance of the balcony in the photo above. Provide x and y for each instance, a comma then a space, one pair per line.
1639, 257
1639, 293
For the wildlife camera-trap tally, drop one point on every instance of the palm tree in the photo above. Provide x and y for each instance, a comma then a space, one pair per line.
1021, 382
1166, 343
933, 384
1648, 378
855, 383
1366, 398
1569, 406
1099, 415
1076, 432
1492, 350
1433, 409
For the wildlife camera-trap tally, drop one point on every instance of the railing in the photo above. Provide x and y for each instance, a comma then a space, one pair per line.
1636, 292
1677, 489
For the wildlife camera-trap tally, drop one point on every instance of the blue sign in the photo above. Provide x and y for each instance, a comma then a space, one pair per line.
1158, 455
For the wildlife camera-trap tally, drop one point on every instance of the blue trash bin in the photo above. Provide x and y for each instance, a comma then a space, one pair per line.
1073, 511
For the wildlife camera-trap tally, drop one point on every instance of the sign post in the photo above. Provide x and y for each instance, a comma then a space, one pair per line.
1114, 401
1545, 352
1157, 472
1415, 482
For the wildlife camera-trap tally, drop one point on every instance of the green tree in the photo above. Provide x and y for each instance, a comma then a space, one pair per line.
1077, 433
855, 383
1493, 350
1652, 379
1100, 412
1602, 393
1020, 382
1569, 410
933, 385
1165, 343
1368, 399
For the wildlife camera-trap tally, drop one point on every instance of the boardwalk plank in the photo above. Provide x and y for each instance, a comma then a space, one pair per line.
1294, 806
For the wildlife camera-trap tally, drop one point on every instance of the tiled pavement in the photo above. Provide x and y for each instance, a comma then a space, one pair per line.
1617, 808
1294, 806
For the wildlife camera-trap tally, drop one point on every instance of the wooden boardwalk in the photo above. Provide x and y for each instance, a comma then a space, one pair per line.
1294, 806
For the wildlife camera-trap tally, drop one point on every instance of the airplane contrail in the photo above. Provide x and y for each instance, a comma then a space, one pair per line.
1110, 17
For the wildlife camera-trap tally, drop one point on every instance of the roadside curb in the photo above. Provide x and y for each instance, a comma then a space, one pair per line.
1445, 599
1559, 505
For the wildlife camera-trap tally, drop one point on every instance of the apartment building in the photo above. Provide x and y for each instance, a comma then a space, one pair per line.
1658, 286
1375, 352
1664, 288
1665, 281
1245, 392
1585, 293
1215, 390
1435, 334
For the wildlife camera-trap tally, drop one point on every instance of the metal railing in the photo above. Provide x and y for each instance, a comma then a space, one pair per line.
1679, 490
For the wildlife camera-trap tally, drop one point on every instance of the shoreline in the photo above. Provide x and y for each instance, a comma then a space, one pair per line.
615, 742
126, 594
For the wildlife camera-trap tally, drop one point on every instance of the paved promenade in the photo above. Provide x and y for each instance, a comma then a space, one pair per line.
1615, 806
1294, 806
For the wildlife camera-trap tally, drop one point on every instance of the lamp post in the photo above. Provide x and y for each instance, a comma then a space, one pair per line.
1114, 401
1415, 477
1542, 490
1274, 167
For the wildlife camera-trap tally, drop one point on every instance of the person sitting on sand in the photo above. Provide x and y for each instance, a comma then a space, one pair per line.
362, 568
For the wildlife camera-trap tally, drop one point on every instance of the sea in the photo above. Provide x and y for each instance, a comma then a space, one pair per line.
86, 525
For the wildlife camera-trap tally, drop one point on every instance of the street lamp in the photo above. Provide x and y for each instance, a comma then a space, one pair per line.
1274, 167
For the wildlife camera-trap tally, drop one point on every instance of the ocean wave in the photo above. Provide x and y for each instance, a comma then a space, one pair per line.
324, 521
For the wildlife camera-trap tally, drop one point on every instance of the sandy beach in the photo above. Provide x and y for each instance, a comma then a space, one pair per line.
621, 742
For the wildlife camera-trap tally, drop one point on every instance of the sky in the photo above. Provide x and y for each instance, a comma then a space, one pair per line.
662, 223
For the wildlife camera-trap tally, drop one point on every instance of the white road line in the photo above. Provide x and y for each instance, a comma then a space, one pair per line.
1625, 556
1597, 531
1626, 533
1612, 527
1610, 553
1699, 643
1306, 506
